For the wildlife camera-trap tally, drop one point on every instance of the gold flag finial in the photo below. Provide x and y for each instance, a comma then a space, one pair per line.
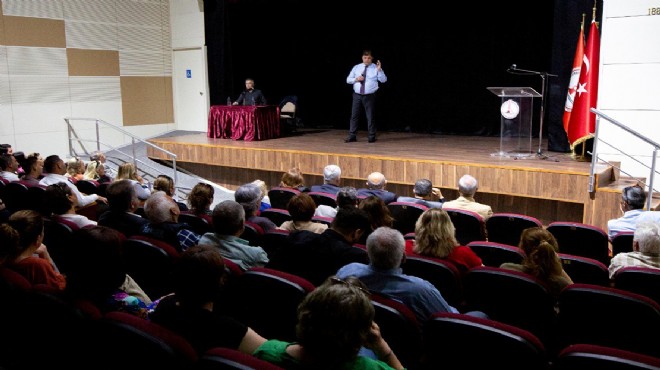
593, 13
582, 24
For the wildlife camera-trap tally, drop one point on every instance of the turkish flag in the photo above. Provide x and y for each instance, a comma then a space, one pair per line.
582, 122
575, 77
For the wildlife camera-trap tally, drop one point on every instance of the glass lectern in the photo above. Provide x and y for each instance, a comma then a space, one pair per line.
516, 120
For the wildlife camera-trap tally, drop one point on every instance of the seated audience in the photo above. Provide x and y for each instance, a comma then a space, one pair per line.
335, 321
646, 249
293, 178
6, 149
425, 194
301, 207
317, 256
435, 236
198, 276
8, 167
331, 180
163, 216
379, 214
467, 187
249, 196
62, 203
228, 224
265, 202
376, 186
55, 170
346, 197
541, 259
96, 273
94, 171
121, 209
200, 199
75, 169
383, 275
632, 203
33, 170
109, 172
22, 250
166, 184
127, 171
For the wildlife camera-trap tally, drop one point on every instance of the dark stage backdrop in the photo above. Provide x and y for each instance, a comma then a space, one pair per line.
438, 62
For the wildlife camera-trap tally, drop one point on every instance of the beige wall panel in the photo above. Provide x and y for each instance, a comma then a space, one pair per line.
2, 27
147, 100
84, 62
26, 31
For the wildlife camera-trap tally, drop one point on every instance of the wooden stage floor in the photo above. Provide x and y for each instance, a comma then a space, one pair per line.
550, 187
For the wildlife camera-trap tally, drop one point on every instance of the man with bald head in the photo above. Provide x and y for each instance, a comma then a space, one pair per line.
376, 182
467, 187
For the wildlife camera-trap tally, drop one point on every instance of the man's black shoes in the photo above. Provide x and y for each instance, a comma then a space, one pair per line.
372, 140
350, 140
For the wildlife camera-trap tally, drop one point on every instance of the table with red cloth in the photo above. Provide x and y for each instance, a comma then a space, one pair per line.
246, 123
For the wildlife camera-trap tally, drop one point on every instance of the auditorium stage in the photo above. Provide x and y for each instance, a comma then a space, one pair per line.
552, 187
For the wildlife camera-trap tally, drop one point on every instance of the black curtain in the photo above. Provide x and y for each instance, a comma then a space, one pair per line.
439, 63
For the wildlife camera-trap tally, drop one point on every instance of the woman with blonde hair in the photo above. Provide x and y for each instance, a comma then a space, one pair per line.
541, 259
75, 168
96, 171
435, 236
166, 183
128, 171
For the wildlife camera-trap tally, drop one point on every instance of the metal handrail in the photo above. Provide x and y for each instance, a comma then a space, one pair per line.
134, 139
595, 158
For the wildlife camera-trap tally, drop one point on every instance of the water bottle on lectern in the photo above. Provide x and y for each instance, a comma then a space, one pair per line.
228, 101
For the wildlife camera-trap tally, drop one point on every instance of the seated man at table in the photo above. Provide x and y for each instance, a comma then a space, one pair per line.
250, 96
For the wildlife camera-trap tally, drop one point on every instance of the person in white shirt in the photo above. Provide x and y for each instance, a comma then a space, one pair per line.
632, 207
62, 202
55, 169
8, 165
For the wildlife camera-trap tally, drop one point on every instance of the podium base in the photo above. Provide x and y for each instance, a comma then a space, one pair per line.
513, 154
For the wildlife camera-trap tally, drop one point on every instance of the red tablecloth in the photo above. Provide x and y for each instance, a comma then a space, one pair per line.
247, 123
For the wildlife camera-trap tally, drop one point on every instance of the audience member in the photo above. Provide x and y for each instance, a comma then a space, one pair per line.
435, 236
265, 202
127, 171
33, 168
163, 216
293, 178
190, 312
249, 196
541, 260
467, 187
335, 321
346, 197
646, 249
22, 250
301, 207
6, 149
166, 183
75, 169
93, 171
121, 210
62, 202
425, 194
96, 273
376, 186
20, 158
55, 170
383, 275
228, 225
8, 167
4, 214
331, 180
379, 215
632, 206
317, 256
109, 171
201, 198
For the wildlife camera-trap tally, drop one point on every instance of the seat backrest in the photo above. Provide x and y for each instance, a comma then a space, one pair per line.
253, 233
470, 226
321, 198
399, 328
511, 297
581, 239
220, 358
37, 200
506, 228
589, 356
322, 220
266, 300
272, 241
640, 280
122, 336
15, 196
622, 242
198, 224
442, 274
88, 186
277, 215
494, 254
405, 215
279, 196
585, 270
451, 340
586, 312
150, 263
58, 236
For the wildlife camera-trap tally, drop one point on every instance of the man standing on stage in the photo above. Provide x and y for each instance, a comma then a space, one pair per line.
365, 78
